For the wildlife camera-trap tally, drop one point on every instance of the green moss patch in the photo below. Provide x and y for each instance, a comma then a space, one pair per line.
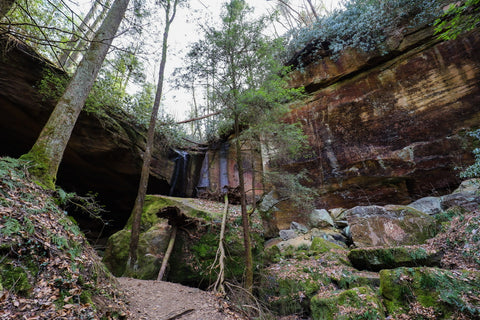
356, 303
320, 245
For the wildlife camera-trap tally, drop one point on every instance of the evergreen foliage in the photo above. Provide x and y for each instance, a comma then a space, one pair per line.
473, 171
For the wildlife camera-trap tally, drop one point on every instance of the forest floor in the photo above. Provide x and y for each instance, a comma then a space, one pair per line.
159, 300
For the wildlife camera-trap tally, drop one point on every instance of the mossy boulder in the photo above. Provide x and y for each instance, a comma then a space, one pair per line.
378, 258
195, 248
289, 284
153, 210
390, 225
446, 293
356, 303
193, 260
321, 245
154, 235
151, 248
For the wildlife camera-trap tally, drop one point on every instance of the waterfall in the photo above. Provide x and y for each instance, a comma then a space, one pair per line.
180, 174
224, 166
204, 181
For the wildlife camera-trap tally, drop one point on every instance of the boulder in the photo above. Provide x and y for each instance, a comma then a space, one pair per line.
445, 294
471, 186
428, 205
467, 200
195, 247
347, 304
287, 234
331, 235
298, 227
389, 226
378, 258
321, 245
289, 284
320, 218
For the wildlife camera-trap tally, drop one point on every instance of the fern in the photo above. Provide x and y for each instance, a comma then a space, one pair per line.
11, 226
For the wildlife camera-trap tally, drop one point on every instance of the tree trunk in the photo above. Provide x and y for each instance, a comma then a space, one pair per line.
82, 43
5, 6
80, 30
171, 243
245, 216
147, 156
47, 152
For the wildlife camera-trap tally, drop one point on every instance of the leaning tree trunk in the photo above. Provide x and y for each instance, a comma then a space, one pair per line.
147, 156
47, 152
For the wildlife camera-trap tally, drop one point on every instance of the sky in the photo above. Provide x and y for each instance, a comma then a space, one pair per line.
184, 31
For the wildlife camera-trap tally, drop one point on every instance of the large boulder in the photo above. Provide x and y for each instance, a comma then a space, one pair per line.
466, 196
428, 205
289, 284
320, 218
378, 258
389, 226
196, 244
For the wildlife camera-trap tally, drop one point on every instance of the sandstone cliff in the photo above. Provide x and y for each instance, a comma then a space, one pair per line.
104, 153
390, 128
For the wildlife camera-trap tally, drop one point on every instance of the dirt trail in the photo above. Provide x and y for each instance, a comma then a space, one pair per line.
159, 300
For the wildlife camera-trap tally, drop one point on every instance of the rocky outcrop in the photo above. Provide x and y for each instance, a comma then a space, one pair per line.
104, 153
314, 274
390, 128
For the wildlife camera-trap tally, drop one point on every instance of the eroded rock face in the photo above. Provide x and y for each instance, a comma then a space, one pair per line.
390, 129
103, 154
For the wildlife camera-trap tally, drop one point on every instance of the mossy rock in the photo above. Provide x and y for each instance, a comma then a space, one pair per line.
151, 247
291, 293
193, 258
320, 245
447, 293
289, 284
155, 203
356, 303
116, 252
378, 258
